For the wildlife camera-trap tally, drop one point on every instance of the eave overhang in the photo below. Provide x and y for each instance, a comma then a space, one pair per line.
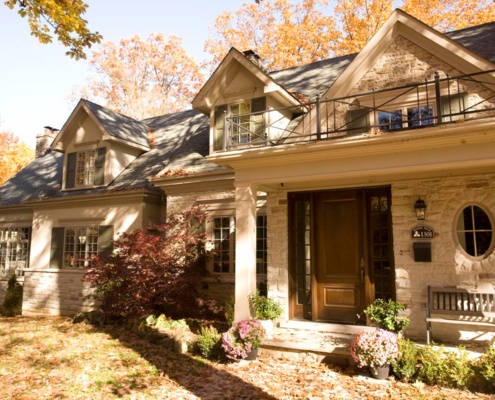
429, 152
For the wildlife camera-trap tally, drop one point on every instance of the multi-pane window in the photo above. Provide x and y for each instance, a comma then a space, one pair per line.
85, 167
474, 231
223, 244
223, 238
416, 116
420, 116
390, 120
245, 123
241, 122
14, 250
80, 245
261, 243
380, 235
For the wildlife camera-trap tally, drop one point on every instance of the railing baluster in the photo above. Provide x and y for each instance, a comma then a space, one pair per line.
318, 119
437, 95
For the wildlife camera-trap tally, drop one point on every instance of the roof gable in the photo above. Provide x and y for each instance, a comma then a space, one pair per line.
113, 127
225, 73
401, 24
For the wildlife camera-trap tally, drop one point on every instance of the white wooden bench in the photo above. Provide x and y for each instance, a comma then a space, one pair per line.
474, 307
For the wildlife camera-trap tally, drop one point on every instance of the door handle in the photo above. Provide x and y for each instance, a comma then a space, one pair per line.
362, 269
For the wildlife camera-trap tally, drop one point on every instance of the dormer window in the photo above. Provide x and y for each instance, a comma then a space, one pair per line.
245, 123
85, 168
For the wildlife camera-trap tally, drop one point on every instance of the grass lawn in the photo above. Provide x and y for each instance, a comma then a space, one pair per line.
52, 358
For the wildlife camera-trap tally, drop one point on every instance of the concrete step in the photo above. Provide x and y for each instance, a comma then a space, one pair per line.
304, 340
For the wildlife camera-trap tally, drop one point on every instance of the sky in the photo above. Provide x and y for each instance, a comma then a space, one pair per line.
36, 80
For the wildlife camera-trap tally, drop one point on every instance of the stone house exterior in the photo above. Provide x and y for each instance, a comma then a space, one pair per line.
310, 176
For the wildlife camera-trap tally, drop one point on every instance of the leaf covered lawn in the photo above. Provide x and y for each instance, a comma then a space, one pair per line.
52, 358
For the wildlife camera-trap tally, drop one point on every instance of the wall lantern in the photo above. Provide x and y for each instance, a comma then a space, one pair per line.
420, 209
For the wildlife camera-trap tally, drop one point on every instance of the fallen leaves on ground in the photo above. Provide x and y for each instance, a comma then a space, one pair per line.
52, 358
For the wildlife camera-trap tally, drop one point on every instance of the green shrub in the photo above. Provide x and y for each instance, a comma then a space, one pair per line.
386, 315
163, 322
230, 310
406, 365
209, 343
483, 379
445, 368
264, 307
12, 302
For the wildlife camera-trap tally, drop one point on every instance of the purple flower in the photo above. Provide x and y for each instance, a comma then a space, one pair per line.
243, 337
374, 348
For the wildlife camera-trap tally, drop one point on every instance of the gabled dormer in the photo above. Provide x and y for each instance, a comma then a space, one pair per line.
98, 144
236, 98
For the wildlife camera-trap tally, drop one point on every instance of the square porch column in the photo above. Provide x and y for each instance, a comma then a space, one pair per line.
245, 248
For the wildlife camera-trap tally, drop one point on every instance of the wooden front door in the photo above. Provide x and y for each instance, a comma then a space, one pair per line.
339, 274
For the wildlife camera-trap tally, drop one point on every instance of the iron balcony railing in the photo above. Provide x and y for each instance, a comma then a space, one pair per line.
430, 103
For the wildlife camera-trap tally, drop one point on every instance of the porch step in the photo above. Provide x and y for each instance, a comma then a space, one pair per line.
321, 342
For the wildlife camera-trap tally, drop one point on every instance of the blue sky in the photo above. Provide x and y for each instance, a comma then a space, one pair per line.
36, 80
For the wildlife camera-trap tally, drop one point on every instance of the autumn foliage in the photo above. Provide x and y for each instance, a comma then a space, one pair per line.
287, 33
15, 156
143, 78
153, 270
63, 19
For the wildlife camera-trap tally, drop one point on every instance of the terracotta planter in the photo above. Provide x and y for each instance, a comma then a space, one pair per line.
380, 372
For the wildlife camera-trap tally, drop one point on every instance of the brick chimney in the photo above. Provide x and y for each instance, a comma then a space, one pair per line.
44, 140
254, 58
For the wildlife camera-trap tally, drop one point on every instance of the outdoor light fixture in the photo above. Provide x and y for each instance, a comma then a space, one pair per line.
420, 209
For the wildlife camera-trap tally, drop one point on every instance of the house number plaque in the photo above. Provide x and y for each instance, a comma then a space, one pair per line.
422, 232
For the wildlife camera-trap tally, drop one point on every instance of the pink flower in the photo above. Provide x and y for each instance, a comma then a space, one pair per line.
243, 337
374, 348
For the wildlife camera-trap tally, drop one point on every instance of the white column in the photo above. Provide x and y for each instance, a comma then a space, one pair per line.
245, 248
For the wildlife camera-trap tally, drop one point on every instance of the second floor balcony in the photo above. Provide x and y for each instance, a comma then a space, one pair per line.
437, 102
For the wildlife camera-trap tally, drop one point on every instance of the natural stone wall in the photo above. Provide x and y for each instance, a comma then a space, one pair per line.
277, 243
450, 266
55, 292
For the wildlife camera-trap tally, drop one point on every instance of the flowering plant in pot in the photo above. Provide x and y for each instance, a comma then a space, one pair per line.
265, 309
242, 339
375, 348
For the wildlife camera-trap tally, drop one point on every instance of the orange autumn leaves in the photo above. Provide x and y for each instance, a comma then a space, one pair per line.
287, 33
15, 155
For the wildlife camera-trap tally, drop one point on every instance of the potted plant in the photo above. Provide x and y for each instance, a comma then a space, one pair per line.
243, 340
376, 349
265, 309
385, 314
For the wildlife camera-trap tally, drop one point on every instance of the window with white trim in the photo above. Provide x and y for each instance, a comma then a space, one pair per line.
85, 168
246, 122
80, 245
475, 231
14, 250
223, 243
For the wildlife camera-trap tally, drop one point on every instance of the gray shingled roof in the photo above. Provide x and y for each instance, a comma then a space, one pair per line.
312, 79
182, 138
480, 39
179, 142
118, 125
315, 78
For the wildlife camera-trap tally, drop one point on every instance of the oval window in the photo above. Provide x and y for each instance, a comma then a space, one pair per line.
474, 231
